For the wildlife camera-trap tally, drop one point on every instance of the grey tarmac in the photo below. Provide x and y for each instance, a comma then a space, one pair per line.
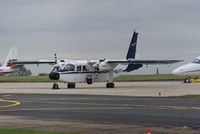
121, 89
35, 105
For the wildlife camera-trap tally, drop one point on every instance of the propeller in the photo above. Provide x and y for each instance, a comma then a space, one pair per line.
55, 57
56, 65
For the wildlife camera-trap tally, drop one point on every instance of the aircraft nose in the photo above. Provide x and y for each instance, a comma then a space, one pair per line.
176, 71
54, 76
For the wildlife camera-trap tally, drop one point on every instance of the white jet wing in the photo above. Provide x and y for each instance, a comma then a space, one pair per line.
51, 62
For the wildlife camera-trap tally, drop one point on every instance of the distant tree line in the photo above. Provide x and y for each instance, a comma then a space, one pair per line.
23, 71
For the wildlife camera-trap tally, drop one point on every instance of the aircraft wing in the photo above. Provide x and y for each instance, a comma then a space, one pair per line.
51, 62
147, 62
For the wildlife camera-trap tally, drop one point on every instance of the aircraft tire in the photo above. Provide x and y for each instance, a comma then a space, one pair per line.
187, 80
110, 85
71, 85
55, 86
89, 80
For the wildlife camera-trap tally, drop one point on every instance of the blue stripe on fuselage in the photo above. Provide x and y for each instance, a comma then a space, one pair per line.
81, 72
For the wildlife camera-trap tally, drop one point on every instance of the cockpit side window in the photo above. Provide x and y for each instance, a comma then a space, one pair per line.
196, 61
67, 67
78, 68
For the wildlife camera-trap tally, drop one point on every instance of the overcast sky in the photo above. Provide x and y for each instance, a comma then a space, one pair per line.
93, 29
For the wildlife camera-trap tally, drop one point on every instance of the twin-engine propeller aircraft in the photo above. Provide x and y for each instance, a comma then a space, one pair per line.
90, 71
190, 71
7, 67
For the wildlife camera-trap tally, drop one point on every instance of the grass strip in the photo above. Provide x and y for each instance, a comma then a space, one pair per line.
4, 79
151, 77
122, 78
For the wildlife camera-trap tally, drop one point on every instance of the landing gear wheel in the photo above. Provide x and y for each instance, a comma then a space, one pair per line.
71, 85
110, 85
55, 86
187, 80
89, 80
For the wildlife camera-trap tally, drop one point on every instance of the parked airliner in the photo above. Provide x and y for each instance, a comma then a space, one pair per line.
90, 71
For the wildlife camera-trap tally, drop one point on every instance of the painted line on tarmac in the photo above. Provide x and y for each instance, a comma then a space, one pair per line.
99, 108
13, 103
58, 109
120, 106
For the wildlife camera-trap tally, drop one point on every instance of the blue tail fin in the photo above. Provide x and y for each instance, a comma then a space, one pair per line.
131, 54
132, 47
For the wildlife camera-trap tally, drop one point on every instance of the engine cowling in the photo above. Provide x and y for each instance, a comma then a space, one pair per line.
54, 76
103, 66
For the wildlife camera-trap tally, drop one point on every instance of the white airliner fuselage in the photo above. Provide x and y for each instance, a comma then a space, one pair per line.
189, 70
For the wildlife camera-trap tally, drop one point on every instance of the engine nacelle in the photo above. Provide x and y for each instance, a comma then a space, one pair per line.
104, 66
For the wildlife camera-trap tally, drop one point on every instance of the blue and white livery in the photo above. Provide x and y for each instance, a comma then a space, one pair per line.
90, 71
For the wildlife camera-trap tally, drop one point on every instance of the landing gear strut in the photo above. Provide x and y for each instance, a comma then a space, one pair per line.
55, 86
110, 85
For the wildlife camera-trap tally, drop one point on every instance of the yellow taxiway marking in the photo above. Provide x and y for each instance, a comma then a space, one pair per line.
13, 103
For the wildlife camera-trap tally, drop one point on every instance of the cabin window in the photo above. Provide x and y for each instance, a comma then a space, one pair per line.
85, 68
78, 68
67, 67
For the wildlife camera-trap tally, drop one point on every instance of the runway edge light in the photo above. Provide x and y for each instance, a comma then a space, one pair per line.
148, 130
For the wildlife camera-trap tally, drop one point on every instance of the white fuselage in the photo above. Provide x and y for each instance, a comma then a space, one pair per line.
79, 71
6, 70
191, 69
82, 77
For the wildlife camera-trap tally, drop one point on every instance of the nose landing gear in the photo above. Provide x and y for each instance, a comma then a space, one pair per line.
55, 86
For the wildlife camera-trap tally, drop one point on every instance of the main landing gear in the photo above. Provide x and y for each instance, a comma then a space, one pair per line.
73, 85
110, 85
69, 85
